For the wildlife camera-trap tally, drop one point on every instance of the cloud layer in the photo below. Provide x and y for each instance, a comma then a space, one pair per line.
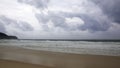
112, 10
73, 19
36, 3
94, 20
8, 25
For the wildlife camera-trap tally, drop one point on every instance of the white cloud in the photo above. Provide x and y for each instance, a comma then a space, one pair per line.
74, 21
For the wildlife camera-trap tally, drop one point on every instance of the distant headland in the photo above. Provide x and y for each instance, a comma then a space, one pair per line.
5, 36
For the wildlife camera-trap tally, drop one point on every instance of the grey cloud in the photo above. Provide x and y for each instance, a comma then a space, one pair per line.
36, 3
42, 18
90, 23
6, 20
57, 19
2, 27
110, 8
24, 26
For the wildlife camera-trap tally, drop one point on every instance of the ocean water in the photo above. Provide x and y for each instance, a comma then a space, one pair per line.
110, 48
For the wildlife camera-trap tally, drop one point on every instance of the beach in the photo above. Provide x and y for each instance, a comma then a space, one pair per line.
16, 57
16, 64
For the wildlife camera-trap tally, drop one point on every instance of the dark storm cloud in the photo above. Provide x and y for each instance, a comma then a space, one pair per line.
4, 21
110, 7
90, 23
36, 3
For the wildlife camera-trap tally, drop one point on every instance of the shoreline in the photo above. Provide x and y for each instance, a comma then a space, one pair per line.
56, 59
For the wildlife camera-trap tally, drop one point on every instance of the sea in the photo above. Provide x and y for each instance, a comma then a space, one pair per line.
91, 47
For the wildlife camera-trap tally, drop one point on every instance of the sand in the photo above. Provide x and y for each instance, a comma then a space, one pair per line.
16, 64
15, 57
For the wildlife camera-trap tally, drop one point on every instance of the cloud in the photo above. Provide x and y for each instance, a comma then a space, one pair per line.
24, 26
6, 20
2, 27
36, 3
7, 23
110, 8
88, 12
90, 23
93, 25
73, 19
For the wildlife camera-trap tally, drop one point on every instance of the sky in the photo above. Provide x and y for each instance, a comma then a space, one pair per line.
60, 19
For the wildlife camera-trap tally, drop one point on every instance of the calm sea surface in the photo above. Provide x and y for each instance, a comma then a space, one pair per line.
110, 48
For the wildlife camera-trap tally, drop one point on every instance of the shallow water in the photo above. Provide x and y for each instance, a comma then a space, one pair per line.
78, 47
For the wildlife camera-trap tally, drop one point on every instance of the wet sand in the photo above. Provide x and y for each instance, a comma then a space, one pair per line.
15, 57
16, 64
